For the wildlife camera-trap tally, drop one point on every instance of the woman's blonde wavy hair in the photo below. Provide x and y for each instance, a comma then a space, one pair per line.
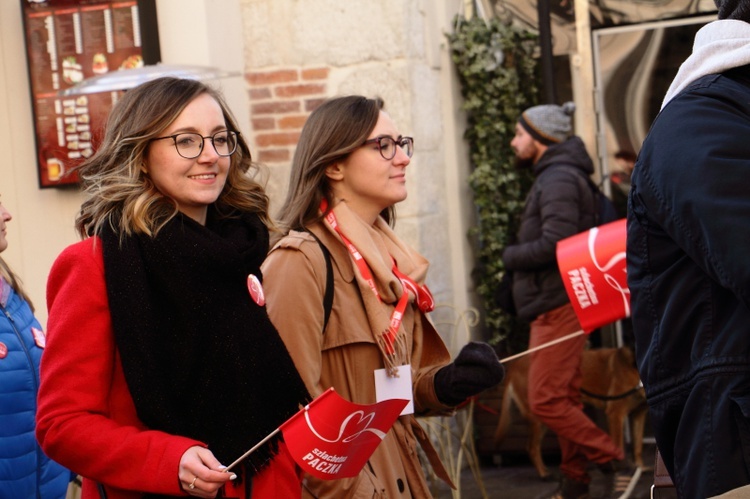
118, 191
333, 131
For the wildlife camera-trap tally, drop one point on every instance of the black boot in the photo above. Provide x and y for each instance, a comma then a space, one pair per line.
571, 489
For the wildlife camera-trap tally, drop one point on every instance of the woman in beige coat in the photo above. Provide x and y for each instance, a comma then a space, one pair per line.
348, 173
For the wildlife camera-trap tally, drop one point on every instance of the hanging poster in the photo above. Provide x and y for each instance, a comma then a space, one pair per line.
66, 42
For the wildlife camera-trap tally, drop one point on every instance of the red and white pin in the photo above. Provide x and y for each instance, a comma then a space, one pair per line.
3, 350
256, 290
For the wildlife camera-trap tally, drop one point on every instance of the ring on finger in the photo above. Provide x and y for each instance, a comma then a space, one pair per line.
192, 484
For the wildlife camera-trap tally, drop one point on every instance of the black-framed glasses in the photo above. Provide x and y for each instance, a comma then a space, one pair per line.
387, 145
190, 145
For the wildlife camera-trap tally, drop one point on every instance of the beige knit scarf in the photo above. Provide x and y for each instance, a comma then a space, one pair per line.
379, 246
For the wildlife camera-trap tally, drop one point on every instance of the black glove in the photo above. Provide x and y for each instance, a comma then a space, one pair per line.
475, 369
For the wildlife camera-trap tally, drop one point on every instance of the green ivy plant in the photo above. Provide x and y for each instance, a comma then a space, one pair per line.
498, 72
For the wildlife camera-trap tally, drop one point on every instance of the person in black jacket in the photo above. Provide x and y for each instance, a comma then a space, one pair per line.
688, 264
559, 204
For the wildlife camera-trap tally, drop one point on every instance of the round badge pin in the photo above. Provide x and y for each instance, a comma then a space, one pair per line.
256, 290
3, 350
39, 338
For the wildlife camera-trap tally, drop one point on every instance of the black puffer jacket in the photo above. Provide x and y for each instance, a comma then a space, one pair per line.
559, 205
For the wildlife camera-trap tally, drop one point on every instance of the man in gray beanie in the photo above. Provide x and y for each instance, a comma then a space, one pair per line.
561, 203
689, 264
548, 124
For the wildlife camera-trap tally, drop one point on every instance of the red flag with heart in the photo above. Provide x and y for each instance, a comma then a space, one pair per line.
593, 269
333, 438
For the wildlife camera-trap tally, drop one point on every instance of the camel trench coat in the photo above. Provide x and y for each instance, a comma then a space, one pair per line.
345, 357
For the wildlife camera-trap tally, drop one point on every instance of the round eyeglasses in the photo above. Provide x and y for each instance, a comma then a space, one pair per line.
190, 145
387, 145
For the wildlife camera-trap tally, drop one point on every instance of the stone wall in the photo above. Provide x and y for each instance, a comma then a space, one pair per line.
298, 53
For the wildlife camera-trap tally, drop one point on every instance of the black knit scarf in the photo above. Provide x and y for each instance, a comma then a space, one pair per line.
200, 357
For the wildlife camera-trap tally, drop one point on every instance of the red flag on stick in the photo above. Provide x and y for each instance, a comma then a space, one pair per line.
593, 268
333, 438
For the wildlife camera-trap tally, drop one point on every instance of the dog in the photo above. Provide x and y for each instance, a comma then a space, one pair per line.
610, 382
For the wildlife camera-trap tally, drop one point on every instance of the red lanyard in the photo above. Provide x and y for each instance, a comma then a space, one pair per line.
424, 299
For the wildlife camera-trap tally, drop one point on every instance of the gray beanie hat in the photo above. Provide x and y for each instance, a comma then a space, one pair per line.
734, 9
548, 123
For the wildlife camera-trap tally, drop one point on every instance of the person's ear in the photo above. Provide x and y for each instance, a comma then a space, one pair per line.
335, 171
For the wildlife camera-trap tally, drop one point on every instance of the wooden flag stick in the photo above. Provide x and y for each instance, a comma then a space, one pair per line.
543, 345
502, 361
243, 456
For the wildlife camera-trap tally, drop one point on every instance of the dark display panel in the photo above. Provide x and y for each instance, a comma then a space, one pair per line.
68, 41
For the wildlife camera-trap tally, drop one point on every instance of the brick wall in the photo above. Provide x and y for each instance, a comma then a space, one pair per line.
280, 102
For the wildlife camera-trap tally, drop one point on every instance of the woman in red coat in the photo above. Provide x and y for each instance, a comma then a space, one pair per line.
161, 367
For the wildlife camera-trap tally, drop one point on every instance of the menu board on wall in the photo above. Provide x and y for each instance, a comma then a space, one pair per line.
66, 42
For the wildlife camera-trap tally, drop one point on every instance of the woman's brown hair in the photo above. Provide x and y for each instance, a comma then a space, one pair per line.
335, 129
15, 283
118, 191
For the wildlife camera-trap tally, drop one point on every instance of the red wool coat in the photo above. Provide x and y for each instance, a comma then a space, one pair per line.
86, 418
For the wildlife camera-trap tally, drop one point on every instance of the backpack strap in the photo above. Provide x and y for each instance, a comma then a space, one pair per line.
328, 295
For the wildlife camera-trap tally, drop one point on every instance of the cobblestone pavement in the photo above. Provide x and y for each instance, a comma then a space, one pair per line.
519, 481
